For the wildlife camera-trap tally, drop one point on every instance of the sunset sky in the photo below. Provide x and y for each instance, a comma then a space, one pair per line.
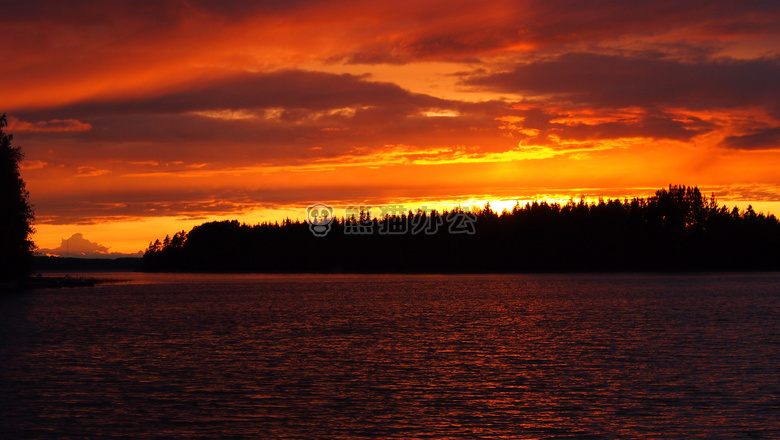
144, 118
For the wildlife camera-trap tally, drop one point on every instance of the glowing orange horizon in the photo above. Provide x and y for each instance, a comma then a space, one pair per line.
133, 235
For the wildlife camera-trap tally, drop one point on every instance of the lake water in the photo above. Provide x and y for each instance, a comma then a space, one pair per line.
375, 356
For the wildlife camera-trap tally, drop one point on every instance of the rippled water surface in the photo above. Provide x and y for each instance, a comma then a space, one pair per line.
347, 356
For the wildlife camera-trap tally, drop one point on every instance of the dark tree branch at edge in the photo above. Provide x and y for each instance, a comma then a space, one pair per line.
16, 214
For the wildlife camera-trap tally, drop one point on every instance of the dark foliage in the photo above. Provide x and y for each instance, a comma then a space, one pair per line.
675, 230
16, 214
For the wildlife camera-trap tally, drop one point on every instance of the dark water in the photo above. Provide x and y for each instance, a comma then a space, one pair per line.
538, 356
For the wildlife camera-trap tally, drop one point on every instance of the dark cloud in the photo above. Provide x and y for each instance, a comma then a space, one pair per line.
457, 45
585, 19
554, 26
290, 139
653, 125
262, 118
553, 126
292, 116
91, 12
288, 89
611, 81
763, 139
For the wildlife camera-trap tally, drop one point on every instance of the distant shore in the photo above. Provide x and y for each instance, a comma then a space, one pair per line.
70, 264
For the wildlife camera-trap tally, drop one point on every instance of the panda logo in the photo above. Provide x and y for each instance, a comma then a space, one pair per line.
319, 216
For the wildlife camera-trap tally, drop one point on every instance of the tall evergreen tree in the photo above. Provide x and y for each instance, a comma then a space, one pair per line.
16, 214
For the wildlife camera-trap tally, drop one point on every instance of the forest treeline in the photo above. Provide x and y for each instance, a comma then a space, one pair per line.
677, 229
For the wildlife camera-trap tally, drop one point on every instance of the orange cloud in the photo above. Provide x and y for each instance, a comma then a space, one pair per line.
54, 125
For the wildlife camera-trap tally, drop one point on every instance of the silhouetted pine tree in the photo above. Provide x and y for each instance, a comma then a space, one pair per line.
16, 214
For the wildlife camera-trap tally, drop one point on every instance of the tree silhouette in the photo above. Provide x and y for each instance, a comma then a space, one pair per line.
16, 214
675, 230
